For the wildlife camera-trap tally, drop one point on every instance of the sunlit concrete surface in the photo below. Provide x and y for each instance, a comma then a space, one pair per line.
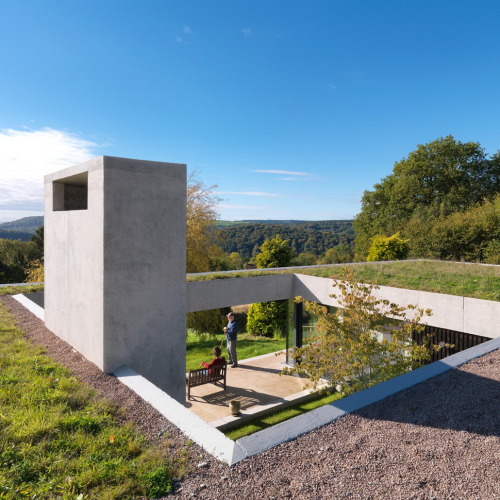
115, 265
256, 382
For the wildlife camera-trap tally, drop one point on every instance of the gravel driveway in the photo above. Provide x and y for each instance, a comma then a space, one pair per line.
438, 440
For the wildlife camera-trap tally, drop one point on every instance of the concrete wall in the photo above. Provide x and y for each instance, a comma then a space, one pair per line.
213, 294
115, 272
463, 314
74, 252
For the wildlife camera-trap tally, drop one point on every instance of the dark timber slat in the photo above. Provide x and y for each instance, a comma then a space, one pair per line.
203, 376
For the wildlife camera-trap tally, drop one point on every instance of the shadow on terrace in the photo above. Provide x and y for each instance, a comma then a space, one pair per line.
256, 383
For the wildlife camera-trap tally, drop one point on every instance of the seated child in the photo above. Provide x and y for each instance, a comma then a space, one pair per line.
218, 360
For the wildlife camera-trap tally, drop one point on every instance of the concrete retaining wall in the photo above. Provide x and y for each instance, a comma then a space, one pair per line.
463, 314
233, 452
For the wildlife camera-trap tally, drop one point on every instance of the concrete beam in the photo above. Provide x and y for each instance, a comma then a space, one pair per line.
214, 294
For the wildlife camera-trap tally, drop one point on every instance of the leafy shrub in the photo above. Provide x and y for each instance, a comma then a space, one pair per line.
35, 272
267, 318
492, 252
388, 248
159, 482
211, 321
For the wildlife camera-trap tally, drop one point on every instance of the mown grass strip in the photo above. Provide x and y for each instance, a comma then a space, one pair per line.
60, 439
260, 423
12, 290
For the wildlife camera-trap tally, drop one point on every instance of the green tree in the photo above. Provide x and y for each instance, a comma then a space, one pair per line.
274, 253
235, 261
358, 345
35, 272
339, 254
268, 318
203, 252
492, 252
15, 256
438, 178
388, 248
304, 259
211, 321
468, 235
38, 240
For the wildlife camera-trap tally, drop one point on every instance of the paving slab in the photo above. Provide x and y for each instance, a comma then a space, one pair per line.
256, 383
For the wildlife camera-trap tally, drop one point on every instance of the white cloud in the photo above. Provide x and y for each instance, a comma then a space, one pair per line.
246, 31
26, 156
281, 172
188, 30
252, 193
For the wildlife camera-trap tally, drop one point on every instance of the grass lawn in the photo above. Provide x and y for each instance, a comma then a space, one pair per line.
60, 439
199, 348
454, 278
259, 423
12, 290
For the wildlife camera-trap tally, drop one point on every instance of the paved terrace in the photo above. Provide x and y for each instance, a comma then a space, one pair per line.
256, 383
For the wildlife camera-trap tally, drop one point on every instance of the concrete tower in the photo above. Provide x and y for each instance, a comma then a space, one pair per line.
115, 265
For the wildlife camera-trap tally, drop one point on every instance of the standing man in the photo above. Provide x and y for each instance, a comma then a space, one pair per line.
231, 331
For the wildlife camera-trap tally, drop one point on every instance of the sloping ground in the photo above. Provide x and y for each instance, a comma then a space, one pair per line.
438, 440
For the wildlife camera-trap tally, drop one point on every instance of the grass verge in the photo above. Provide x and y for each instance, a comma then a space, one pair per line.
60, 439
199, 347
259, 423
12, 290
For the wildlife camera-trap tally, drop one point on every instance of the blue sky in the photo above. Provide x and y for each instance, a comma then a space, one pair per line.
292, 108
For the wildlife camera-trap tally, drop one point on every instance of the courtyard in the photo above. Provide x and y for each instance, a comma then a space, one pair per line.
256, 383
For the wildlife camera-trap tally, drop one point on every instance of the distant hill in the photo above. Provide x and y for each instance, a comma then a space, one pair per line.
25, 225
15, 235
305, 236
228, 223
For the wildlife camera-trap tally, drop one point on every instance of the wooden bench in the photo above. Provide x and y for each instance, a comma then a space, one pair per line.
203, 376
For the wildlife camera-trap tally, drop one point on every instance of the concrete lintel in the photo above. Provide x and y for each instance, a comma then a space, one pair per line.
452, 312
213, 294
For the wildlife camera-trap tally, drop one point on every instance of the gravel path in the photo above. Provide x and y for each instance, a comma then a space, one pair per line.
438, 440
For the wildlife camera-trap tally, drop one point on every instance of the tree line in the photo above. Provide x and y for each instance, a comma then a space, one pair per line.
442, 201
303, 237
20, 260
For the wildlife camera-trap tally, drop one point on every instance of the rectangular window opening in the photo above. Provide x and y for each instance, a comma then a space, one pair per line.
71, 193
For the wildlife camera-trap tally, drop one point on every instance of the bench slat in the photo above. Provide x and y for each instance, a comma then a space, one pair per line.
203, 376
